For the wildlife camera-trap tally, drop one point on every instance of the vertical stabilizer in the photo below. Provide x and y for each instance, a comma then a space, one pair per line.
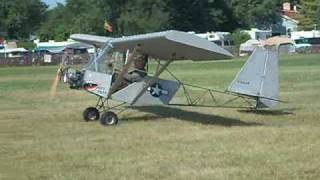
259, 77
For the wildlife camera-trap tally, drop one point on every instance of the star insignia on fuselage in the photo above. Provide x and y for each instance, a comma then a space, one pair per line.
157, 91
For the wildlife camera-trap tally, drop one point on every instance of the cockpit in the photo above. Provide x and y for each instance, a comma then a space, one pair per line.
111, 62
109, 67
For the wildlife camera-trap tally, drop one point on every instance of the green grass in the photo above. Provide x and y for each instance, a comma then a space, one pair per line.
43, 139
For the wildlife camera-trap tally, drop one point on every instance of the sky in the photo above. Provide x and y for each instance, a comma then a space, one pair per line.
52, 3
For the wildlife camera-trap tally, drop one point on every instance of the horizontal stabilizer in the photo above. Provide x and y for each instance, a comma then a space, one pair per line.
259, 77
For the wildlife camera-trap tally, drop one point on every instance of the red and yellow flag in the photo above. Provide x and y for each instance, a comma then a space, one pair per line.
2, 41
107, 26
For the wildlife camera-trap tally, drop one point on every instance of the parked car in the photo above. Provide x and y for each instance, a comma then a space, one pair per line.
303, 45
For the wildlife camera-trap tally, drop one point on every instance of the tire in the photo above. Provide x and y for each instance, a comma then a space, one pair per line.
109, 118
91, 114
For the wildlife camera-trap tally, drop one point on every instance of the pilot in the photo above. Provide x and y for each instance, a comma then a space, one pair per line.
139, 71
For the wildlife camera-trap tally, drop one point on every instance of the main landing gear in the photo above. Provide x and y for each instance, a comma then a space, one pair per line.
109, 118
91, 114
102, 113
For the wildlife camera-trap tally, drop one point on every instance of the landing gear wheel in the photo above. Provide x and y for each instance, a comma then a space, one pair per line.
91, 114
109, 118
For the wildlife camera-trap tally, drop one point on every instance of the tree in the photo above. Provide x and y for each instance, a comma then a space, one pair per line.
20, 18
256, 13
142, 16
77, 16
88, 16
239, 37
200, 15
309, 14
55, 26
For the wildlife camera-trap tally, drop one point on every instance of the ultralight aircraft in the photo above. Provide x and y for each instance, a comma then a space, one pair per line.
113, 73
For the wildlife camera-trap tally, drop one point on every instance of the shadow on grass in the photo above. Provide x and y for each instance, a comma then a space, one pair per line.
268, 112
180, 114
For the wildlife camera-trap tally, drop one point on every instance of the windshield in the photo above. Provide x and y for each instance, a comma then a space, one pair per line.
106, 61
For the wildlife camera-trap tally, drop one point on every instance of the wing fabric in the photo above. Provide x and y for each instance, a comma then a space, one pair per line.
167, 45
173, 45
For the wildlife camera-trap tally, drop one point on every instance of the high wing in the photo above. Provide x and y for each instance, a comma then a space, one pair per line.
167, 45
98, 41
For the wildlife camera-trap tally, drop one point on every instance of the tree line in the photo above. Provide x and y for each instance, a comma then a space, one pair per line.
20, 18
309, 16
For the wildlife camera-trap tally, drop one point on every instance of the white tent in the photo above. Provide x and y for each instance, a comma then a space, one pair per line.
249, 46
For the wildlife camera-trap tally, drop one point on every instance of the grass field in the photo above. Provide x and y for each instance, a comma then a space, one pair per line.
43, 139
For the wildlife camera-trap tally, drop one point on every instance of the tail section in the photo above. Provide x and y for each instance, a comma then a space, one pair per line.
259, 77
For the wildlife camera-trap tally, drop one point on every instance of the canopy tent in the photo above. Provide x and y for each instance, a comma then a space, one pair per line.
14, 50
59, 48
250, 45
278, 40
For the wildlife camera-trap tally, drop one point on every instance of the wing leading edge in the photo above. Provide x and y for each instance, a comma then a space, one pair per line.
98, 41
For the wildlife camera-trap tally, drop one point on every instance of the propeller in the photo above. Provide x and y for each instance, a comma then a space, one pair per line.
55, 82
57, 78
71, 76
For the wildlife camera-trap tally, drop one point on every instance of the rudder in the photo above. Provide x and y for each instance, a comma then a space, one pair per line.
259, 77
